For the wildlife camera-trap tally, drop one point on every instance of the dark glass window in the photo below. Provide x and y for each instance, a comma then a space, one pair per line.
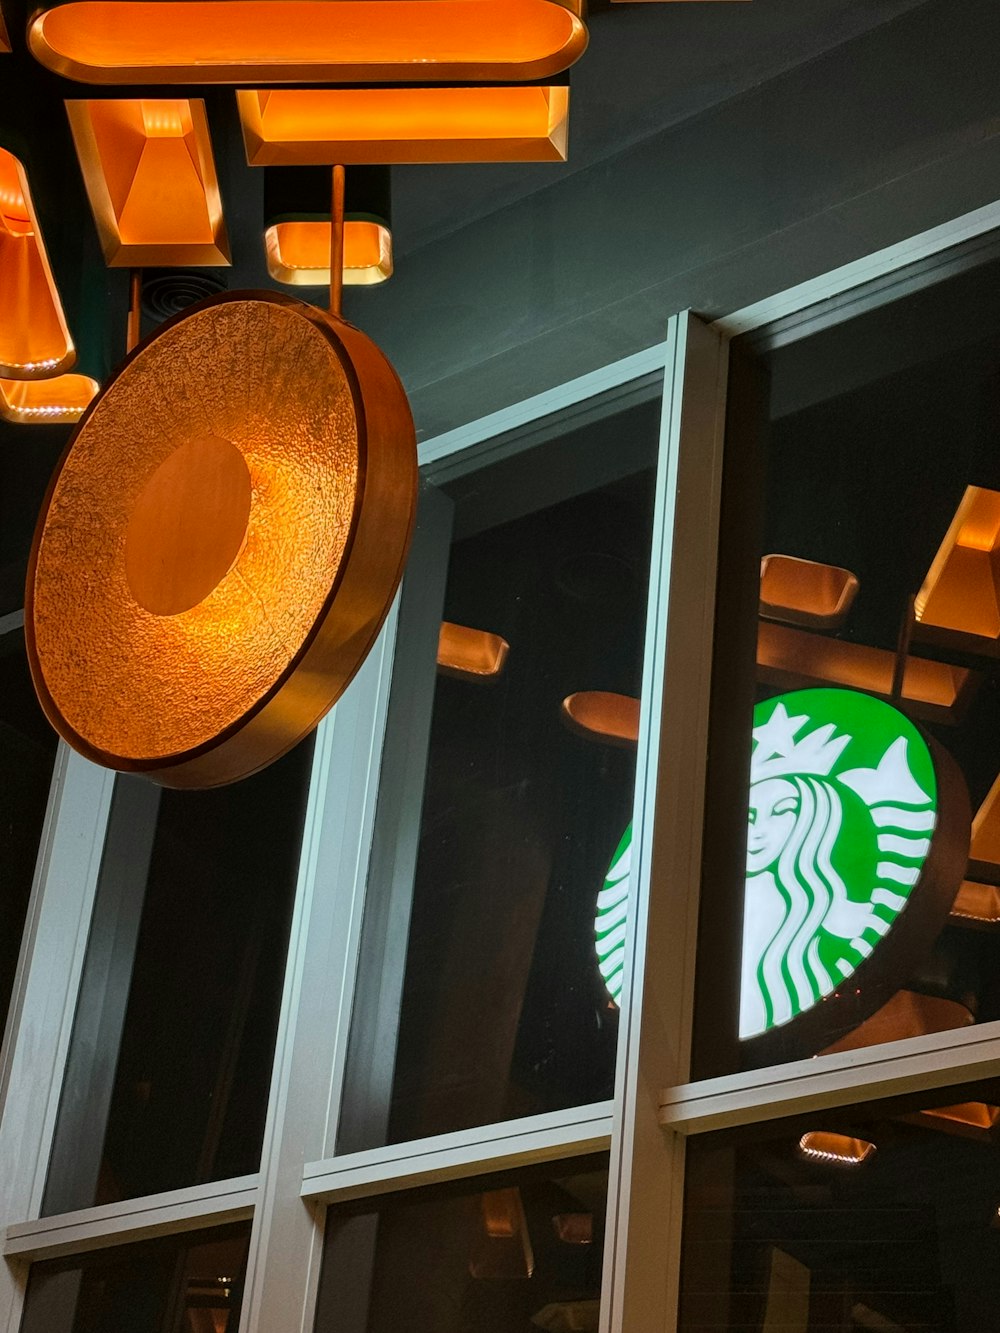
173, 1038
27, 751
191, 1283
871, 1219
874, 505
510, 1253
502, 1009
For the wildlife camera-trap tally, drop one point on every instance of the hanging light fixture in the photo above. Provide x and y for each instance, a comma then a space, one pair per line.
223, 537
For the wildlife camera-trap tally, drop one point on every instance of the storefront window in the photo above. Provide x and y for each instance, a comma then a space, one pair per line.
192, 1283
852, 910
520, 1250
170, 1062
523, 791
881, 1218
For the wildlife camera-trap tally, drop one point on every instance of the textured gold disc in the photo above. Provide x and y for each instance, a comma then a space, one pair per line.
221, 541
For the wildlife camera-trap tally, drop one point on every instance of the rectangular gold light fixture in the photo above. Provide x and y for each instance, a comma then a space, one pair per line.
298, 253
974, 1120
470, 654
959, 601
835, 1149
976, 905
64, 398
796, 659
150, 176
804, 592
307, 41
34, 339
302, 127
4, 38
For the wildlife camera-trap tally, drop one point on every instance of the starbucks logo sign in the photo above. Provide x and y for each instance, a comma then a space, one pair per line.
853, 818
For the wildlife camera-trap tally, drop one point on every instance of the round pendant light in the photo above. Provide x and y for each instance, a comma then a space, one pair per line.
221, 541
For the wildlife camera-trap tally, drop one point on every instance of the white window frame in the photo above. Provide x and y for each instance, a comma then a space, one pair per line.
655, 1107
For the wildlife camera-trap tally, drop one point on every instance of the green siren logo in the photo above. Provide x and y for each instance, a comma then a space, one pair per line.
843, 807
843, 813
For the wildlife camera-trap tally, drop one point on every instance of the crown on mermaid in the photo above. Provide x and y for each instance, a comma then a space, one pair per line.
779, 749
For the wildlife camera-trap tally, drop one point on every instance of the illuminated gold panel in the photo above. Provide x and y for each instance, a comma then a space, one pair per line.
298, 253
959, 601
601, 716
505, 1251
837, 1149
34, 339
355, 125
150, 177
976, 905
308, 41
796, 659
470, 654
802, 592
907, 1014
977, 1117
4, 39
46, 402
200, 659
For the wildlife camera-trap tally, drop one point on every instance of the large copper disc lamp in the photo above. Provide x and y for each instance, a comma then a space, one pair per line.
221, 541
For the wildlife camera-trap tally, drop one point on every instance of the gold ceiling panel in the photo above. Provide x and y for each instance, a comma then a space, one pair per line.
55, 401
308, 41
470, 654
959, 601
150, 177
598, 715
315, 127
4, 38
298, 253
34, 339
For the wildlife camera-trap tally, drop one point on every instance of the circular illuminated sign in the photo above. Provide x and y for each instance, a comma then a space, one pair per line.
856, 844
221, 541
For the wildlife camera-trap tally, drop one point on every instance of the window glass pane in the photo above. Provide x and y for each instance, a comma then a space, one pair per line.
170, 1061
872, 1219
871, 726
523, 798
191, 1283
27, 752
521, 1250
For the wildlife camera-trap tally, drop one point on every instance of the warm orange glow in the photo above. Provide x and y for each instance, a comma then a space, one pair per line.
574, 1228
802, 592
470, 654
307, 127
505, 1251
973, 1115
977, 904
150, 177
986, 829
308, 41
907, 1014
837, 1149
46, 402
218, 551
796, 659
34, 339
600, 716
298, 253
961, 593
4, 39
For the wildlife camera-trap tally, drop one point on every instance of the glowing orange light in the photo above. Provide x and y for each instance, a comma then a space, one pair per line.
150, 177
802, 592
601, 716
34, 339
959, 599
837, 1149
46, 402
470, 654
4, 39
307, 41
907, 1014
298, 253
306, 127
217, 553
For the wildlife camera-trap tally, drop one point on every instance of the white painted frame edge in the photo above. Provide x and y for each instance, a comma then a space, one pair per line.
500, 1147
133, 1220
